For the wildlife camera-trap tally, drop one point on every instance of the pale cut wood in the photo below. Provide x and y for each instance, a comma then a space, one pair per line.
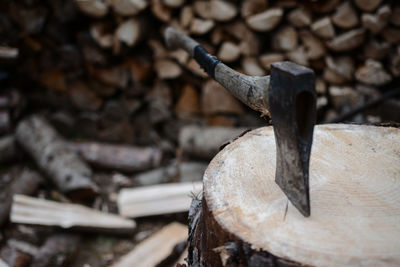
285, 39
161, 11
345, 16
188, 102
314, 47
367, 5
200, 27
354, 189
347, 41
323, 28
298, 56
29, 210
128, 32
372, 73
339, 70
8, 52
157, 199
267, 59
174, 3
222, 10
94, 8
167, 69
251, 67
105, 40
375, 23
251, 7
300, 17
228, 52
265, 21
341, 95
156, 248
128, 7
186, 16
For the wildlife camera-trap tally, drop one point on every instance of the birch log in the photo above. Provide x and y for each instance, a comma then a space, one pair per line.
51, 153
355, 210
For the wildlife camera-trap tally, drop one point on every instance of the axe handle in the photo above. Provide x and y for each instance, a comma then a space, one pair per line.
251, 90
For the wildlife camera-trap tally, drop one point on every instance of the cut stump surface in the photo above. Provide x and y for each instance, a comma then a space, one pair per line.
355, 200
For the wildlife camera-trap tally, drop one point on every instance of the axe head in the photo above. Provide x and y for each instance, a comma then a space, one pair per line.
292, 101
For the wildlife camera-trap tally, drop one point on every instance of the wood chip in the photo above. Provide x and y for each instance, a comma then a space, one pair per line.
216, 99
367, 5
372, 73
347, 41
29, 210
128, 32
157, 199
300, 17
228, 52
167, 69
128, 7
265, 21
156, 248
285, 39
323, 28
94, 8
345, 16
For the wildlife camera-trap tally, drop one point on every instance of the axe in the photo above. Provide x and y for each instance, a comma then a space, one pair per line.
287, 95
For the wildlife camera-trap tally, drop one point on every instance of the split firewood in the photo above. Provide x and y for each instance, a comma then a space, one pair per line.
265, 21
25, 182
326, 7
216, 99
174, 3
128, 7
339, 70
117, 157
128, 32
367, 5
320, 86
157, 199
375, 23
252, 7
204, 142
219, 10
105, 40
285, 39
160, 102
372, 73
186, 16
8, 52
376, 50
188, 103
228, 52
345, 16
200, 27
153, 250
347, 41
298, 56
251, 67
167, 69
314, 47
83, 98
161, 11
183, 172
267, 59
51, 154
300, 17
29, 210
341, 95
117, 76
8, 149
323, 28
395, 17
180, 56
194, 67
391, 35
58, 250
94, 8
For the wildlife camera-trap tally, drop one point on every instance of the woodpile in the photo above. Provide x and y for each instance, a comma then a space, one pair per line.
97, 111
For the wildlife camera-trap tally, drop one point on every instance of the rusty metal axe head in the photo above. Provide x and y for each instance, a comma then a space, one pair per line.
292, 101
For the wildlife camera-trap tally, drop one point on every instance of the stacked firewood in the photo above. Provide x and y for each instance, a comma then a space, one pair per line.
93, 102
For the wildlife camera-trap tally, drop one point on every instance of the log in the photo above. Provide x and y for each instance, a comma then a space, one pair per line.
51, 153
347, 41
323, 28
118, 157
372, 73
204, 142
251, 7
157, 199
300, 17
25, 182
285, 39
265, 21
349, 195
345, 16
35, 211
314, 47
153, 250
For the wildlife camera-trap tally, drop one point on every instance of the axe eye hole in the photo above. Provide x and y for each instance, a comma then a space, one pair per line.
305, 105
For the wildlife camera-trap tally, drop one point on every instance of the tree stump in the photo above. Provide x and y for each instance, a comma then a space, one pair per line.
244, 219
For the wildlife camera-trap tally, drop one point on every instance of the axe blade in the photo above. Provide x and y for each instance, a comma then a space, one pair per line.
292, 100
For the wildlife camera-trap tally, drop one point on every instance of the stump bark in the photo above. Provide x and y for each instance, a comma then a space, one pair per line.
244, 219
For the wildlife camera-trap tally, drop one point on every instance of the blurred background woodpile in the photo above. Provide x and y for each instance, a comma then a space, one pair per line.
96, 113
